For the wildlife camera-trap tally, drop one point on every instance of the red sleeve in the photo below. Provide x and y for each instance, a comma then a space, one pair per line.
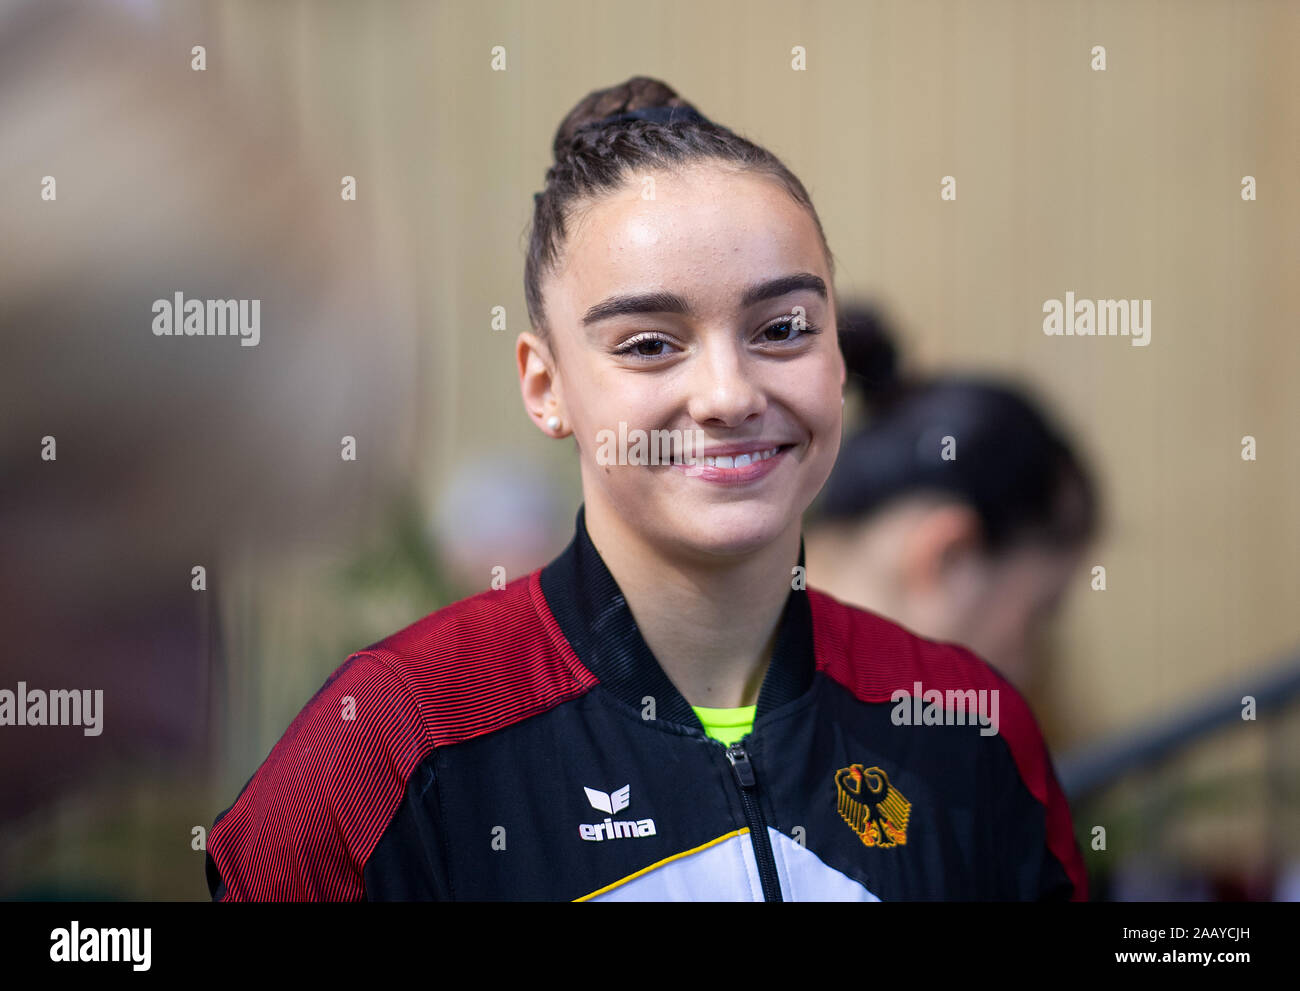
1061, 839
305, 823
1024, 738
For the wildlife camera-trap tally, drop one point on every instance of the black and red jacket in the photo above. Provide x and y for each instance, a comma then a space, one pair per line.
525, 744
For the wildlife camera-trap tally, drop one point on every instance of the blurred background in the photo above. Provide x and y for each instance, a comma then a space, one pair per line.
379, 322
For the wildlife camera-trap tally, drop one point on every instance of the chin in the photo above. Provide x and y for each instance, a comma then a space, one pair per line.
736, 528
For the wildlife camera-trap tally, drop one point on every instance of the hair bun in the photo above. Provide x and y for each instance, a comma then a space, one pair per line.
869, 353
637, 93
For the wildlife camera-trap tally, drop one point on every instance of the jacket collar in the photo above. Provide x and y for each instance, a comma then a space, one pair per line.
594, 617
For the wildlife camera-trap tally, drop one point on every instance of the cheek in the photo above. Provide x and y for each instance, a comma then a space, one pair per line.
603, 400
1013, 611
814, 396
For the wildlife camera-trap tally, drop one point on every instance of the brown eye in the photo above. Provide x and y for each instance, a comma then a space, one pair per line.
786, 330
645, 347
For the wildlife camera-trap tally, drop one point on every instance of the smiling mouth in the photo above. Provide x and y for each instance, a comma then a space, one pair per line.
742, 460
732, 461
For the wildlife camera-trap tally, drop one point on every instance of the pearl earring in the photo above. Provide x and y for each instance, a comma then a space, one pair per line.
553, 424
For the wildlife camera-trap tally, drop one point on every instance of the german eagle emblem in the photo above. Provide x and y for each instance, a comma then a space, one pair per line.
873, 808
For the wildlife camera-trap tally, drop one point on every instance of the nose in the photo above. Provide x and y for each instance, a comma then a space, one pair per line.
724, 387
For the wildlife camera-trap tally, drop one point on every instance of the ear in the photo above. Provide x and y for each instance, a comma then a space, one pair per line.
943, 537
538, 382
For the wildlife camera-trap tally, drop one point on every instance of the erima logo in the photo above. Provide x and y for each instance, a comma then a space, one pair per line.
610, 802
612, 829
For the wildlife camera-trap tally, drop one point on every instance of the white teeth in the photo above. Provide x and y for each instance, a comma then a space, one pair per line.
739, 460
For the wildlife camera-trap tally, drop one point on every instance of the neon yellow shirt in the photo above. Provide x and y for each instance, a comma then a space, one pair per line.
726, 725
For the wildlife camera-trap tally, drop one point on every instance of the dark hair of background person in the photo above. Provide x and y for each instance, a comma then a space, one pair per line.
1013, 466
594, 160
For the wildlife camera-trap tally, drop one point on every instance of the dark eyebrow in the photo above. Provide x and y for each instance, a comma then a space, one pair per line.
780, 287
649, 302
668, 302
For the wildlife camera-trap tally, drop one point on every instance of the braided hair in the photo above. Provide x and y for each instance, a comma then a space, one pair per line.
603, 142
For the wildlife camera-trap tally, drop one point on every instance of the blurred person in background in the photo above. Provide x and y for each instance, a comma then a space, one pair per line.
501, 515
978, 547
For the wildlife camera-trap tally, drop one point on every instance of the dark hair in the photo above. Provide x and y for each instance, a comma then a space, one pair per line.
592, 160
1012, 466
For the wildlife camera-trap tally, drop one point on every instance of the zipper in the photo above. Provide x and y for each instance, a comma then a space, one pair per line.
744, 771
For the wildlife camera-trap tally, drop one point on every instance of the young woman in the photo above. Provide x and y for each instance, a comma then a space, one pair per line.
979, 548
665, 711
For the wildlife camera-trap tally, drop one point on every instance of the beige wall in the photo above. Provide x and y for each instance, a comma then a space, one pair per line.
1123, 183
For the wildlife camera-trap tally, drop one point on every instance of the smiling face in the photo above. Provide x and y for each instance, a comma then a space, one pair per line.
709, 308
